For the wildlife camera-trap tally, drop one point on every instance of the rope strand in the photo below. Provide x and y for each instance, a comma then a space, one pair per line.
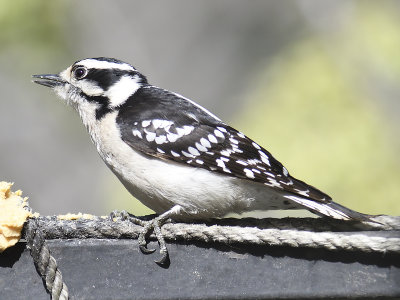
45, 264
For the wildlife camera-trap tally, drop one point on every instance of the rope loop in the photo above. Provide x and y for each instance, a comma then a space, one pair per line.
45, 264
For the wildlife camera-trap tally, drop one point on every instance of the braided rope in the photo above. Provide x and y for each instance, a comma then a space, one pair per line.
291, 238
45, 264
383, 237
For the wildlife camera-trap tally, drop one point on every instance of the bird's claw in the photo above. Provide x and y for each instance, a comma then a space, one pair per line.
164, 260
146, 250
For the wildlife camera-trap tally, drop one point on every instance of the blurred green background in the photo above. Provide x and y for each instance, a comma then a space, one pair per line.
314, 82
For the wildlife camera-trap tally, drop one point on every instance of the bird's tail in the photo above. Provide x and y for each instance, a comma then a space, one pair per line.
330, 209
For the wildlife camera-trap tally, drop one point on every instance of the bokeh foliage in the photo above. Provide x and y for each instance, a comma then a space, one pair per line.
33, 30
319, 110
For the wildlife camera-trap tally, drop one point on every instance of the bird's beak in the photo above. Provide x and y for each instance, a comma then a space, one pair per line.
50, 80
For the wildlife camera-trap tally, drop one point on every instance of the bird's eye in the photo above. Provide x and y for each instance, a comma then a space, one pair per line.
80, 72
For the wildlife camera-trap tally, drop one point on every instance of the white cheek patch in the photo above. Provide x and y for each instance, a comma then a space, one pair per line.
120, 91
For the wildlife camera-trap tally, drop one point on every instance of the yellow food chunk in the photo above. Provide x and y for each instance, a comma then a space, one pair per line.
75, 216
13, 214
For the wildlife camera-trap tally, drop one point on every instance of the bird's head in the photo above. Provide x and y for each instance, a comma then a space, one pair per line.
100, 83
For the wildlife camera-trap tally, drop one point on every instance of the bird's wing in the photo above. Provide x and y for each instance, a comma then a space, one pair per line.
193, 136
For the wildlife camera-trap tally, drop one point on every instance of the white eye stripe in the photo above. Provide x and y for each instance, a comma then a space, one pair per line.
102, 64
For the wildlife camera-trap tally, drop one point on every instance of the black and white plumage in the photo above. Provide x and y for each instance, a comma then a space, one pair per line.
149, 124
175, 156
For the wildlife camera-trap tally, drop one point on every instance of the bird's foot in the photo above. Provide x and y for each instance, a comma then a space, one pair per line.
124, 215
154, 225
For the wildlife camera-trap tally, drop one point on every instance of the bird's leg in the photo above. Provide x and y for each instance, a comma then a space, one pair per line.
156, 225
151, 225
